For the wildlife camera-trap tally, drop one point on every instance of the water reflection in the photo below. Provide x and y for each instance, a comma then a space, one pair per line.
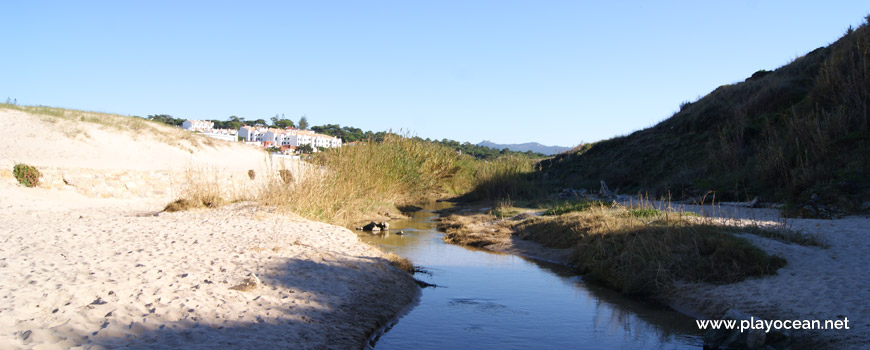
500, 301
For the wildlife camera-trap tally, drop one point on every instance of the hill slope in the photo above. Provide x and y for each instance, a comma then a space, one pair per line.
525, 147
781, 135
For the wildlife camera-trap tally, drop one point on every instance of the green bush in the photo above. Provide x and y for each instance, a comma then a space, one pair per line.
27, 175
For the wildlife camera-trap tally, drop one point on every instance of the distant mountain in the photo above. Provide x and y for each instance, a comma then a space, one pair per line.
523, 147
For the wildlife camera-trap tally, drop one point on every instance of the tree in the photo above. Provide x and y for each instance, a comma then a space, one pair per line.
166, 119
233, 125
280, 122
303, 122
305, 149
259, 122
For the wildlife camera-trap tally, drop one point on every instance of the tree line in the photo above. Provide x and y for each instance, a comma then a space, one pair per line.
349, 134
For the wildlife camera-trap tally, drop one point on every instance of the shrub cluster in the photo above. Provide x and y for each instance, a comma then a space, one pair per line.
27, 175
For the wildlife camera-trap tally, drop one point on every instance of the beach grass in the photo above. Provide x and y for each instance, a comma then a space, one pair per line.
635, 250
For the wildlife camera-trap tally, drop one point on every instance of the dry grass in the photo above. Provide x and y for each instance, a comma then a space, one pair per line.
476, 230
635, 250
137, 126
206, 188
351, 183
400, 263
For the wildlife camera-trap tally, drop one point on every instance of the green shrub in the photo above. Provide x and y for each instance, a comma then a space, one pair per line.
27, 175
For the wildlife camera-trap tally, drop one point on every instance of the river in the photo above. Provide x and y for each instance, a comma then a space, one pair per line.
486, 300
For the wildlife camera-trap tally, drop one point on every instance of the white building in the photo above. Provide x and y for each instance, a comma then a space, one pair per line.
222, 134
251, 133
305, 137
288, 137
197, 125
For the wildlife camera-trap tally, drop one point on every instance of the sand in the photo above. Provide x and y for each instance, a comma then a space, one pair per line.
816, 284
81, 271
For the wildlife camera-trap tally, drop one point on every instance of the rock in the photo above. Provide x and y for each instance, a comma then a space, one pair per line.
249, 283
747, 339
605, 192
400, 232
753, 203
130, 185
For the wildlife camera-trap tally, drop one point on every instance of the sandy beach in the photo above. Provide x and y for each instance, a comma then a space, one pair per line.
816, 284
98, 266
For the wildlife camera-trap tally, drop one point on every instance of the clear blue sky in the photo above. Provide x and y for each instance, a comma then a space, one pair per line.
555, 72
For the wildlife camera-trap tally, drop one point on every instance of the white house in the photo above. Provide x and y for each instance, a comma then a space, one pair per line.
288, 137
197, 125
305, 137
252, 134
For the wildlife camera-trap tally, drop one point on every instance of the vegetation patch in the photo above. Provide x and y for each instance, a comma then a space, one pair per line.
192, 203
26, 175
572, 206
635, 250
400, 262
286, 176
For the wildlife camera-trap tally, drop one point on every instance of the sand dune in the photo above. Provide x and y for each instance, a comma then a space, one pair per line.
80, 270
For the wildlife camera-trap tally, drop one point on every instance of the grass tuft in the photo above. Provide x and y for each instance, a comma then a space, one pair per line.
400, 263
572, 206
27, 175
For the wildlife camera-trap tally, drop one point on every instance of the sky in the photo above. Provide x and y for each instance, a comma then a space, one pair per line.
554, 72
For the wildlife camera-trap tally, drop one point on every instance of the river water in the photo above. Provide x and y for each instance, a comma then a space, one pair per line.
488, 300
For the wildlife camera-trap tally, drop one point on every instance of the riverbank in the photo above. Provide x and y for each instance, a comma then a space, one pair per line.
109, 273
817, 283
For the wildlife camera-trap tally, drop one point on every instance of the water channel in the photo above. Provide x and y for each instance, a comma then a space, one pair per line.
487, 300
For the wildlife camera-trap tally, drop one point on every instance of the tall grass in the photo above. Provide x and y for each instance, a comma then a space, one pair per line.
505, 178
350, 183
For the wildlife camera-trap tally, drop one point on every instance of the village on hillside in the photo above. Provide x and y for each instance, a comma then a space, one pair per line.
286, 141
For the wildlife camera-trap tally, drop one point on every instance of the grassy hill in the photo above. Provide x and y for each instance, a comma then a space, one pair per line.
781, 135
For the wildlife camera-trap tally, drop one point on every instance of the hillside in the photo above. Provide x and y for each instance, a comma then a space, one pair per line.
782, 135
525, 147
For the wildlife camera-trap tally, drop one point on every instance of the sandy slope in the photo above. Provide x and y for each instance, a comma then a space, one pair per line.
49, 141
87, 272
